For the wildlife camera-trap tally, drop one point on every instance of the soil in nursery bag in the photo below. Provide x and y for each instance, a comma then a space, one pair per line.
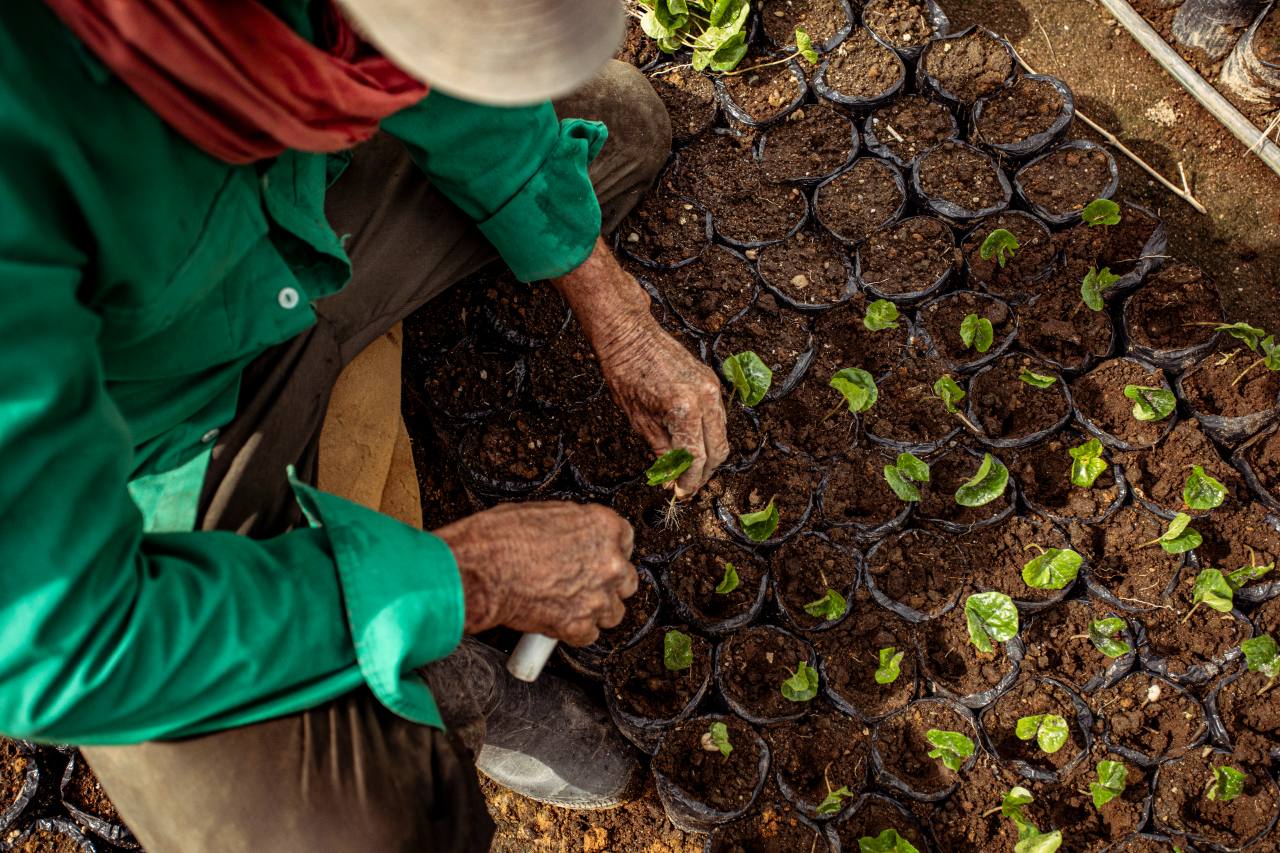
942, 318
904, 750
1182, 805
1058, 645
850, 655
954, 664
1117, 247
1099, 396
763, 94
773, 827
1216, 386
821, 19
601, 445
1121, 561
873, 814
696, 572
804, 568
641, 608
998, 552
862, 68
82, 793
856, 492
965, 177
1160, 475
14, 766
751, 666
808, 269
1263, 456
637, 48
1240, 535
720, 173
1015, 114
919, 570
907, 411
970, 67
812, 142
511, 452
1166, 313
1251, 718
690, 99
1267, 617
1007, 408
843, 340
565, 373
52, 836
812, 419
779, 336
788, 478
863, 198
1030, 697
1069, 804
908, 126
524, 314
949, 472
1044, 472
908, 257
902, 23
659, 527
466, 382
664, 230
726, 783
709, 292
1031, 263
643, 686
1190, 647
1059, 327
970, 819
826, 748
1064, 181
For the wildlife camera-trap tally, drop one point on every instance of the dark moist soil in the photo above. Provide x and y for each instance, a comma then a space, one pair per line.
964, 176
788, 478
1066, 180
658, 530
1028, 697
744, 432
640, 609
1149, 715
862, 199
872, 817
602, 446
942, 318
85, 793
664, 230
763, 94
823, 748
644, 687
904, 749
1044, 472
949, 472
1252, 721
1071, 809
13, 772
1211, 387
843, 340
997, 554
518, 448
720, 173
1166, 312
862, 67
1099, 396
804, 568
821, 19
809, 268
565, 374
1034, 257
970, 818
1019, 112
710, 291
902, 23
1263, 456
753, 663
1137, 575
907, 410
725, 783
908, 256
1267, 617
1204, 639
466, 381
1008, 408
1240, 535
44, 841
1117, 247
780, 336
1058, 642
1058, 326
921, 569
812, 419
1160, 475
690, 99
698, 570
811, 143
856, 492
773, 828
912, 124
954, 663
851, 654
968, 68
533, 310
1180, 802
637, 48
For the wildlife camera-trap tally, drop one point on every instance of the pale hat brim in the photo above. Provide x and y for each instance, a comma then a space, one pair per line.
502, 52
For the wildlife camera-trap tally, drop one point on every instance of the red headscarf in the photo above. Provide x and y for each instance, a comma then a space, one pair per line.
235, 80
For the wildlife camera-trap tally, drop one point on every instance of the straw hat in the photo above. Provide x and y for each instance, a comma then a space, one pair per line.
503, 52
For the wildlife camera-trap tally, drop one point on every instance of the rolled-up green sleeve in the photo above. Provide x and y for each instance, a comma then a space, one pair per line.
519, 172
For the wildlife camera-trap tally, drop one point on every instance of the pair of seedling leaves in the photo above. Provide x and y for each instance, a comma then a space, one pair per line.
1216, 589
987, 483
715, 30
677, 656
829, 607
1258, 341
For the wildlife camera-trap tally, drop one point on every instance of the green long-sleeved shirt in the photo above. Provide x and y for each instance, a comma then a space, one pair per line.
138, 277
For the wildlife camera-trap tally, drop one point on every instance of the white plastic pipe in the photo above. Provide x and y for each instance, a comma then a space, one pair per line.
530, 656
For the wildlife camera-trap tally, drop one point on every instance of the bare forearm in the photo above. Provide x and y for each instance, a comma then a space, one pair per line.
607, 301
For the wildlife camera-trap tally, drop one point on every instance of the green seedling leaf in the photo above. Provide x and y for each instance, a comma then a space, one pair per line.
730, 581
1112, 779
1030, 838
902, 487
986, 485
1049, 730
669, 466
1242, 576
1095, 282
730, 52
1270, 353
857, 386
1011, 805
749, 376
888, 841
1227, 784
1261, 654
760, 525
1179, 537
802, 686
890, 665
804, 47
949, 392
1105, 634
1037, 380
1202, 491
1101, 211
913, 466
1087, 463
1251, 335
901, 476
830, 607
1001, 245
1041, 842
831, 803
1055, 568
992, 617
951, 748
716, 739
1213, 590
677, 651
976, 332
1151, 404
881, 314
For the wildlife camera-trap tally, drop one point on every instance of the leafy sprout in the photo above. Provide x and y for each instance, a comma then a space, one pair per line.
760, 525
1053, 568
832, 801
1262, 656
902, 476
716, 739
976, 332
858, 387
1049, 730
1101, 211
677, 651
1203, 492
1178, 538
1030, 838
992, 618
1217, 590
881, 314
1087, 463
1094, 283
1105, 634
949, 392
987, 483
802, 686
890, 665
888, 841
1227, 784
828, 608
713, 29
1251, 336
1255, 339
951, 748
730, 580
669, 466
1112, 779
804, 47
748, 375
1037, 380
1151, 404
1001, 245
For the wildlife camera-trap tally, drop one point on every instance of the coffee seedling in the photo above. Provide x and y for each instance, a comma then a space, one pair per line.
1112, 779
951, 748
713, 29
832, 801
802, 686
1262, 656
1203, 492
1151, 404
890, 665
1101, 211
946, 390
888, 841
1030, 838
1037, 380
669, 466
902, 476
829, 608
750, 377
976, 332
1049, 730
987, 483
1217, 590
1227, 784
677, 651
881, 314
1104, 634
1257, 340
1001, 245
992, 617
730, 580
1095, 282
760, 525
1178, 538
1054, 568
716, 739
858, 388
1087, 463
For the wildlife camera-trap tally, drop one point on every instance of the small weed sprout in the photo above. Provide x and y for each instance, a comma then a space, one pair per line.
1113, 777
677, 651
1000, 245
890, 665
802, 686
951, 748
1087, 463
902, 476
976, 332
1049, 730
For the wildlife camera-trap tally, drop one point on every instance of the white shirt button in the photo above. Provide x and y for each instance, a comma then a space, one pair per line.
288, 298
210, 436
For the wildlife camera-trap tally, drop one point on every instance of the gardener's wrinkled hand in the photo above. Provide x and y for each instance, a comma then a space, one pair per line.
557, 568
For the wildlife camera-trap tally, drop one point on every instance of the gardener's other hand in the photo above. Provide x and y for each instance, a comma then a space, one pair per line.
557, 568
672, 398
